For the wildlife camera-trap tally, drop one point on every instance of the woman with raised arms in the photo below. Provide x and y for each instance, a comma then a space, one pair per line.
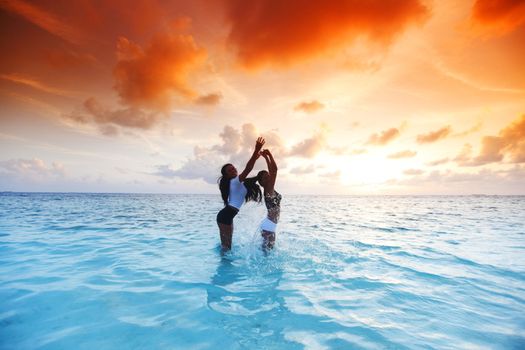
235, 190
272, 199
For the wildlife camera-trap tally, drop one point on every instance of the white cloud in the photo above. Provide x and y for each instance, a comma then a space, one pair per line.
30, 174
236, 148
31, 168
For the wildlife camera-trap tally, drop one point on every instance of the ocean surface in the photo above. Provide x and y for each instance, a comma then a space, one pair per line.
144, 271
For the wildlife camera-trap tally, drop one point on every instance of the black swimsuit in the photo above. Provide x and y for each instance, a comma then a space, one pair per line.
226, 215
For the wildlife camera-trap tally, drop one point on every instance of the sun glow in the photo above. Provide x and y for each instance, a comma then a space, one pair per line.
367, 169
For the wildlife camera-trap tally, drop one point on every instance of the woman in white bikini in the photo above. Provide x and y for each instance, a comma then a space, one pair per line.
272, 199
235, 190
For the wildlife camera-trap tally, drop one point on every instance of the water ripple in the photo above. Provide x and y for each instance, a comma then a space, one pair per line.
145, 271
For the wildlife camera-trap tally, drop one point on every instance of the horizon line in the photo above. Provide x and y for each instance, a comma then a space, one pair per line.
292, 194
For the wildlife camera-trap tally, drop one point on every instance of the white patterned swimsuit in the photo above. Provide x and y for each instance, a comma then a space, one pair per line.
273, 204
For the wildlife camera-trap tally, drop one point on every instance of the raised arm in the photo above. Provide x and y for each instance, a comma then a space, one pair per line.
272, 170
267, 159
256, 153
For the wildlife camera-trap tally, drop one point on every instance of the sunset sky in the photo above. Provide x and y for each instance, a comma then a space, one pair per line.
353, 97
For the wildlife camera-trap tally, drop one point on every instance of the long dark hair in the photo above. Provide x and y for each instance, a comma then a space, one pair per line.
224, 184
259, 176
254, 191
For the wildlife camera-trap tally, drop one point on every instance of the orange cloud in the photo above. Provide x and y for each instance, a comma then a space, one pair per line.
473, 129
109, 130
402, 154
157, 76
284, 32
498, 17
438, 162
309, 147
91, 23
491, 150
45, 20
105, 117
383, 138
209, 99
36, 84
434, 135
130, 117
28, 100
463, 158
309, 107
510, 142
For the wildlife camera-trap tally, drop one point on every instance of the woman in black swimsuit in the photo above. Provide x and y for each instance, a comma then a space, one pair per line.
272, 200
235, 190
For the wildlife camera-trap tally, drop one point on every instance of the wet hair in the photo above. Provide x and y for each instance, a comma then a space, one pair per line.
254, 191
224, 184
259, 175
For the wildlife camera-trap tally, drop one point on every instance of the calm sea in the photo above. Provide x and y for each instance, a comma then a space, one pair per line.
143, 271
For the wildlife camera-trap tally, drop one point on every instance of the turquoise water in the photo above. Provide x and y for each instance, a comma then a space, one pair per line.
123, 271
